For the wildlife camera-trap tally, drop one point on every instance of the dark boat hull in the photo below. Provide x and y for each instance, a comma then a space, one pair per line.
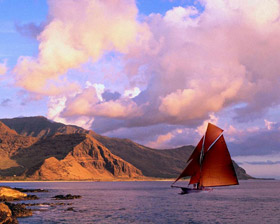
186, 190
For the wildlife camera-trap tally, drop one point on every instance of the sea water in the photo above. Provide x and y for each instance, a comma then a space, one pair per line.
253, 201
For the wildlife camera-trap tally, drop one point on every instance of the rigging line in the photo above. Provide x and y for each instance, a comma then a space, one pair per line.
214, 141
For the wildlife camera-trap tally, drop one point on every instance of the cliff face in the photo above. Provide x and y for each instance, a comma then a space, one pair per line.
75, 156
11, 142
70, 152
87, 160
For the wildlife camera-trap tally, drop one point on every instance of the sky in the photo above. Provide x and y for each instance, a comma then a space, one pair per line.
155, 72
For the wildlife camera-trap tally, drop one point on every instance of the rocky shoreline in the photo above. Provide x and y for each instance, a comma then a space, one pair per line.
10, 211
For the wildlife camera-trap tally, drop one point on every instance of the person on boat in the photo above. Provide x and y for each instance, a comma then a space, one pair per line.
199, 187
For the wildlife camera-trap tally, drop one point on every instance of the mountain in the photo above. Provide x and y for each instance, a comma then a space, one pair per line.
10, 142
48, 152
76, 156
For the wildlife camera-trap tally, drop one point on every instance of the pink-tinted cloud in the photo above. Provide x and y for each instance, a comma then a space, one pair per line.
176, 70
192, 69
224, 57
3, 68
78, 31
87, 103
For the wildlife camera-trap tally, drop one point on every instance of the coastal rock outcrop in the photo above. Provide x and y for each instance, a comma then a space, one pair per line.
10, 211
9, 194
6, 216
19, 210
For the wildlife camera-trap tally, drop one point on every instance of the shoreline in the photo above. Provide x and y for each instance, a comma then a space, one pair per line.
118, 180
72, 181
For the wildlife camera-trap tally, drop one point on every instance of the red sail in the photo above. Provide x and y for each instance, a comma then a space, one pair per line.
193, 162
195, 178
212, 133
217, 168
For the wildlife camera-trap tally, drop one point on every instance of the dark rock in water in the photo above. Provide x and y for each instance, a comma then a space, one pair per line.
31, 197
19, 210
66, 197
6, 215
30, 190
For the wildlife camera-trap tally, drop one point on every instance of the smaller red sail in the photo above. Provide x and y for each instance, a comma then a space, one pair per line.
193, 162
195, 178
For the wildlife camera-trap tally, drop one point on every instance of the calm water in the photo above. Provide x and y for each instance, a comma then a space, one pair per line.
155, 202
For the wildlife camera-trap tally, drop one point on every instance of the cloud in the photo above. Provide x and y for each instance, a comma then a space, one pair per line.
190, 70
57, 104
177, 70
174, 138
87, 103
262, 170
131, 93
260, 166
5, 102
107, 95
30, 30
202, 128
254, 141
3, 68
78, 32
161, 140
197, 67
257, 159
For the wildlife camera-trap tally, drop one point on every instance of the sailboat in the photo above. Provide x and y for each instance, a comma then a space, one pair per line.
210, 164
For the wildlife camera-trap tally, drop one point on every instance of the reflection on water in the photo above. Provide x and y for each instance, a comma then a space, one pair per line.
155, 202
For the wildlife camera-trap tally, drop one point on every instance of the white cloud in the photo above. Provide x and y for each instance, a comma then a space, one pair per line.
99, 88
269, 124
131, 93
202, 128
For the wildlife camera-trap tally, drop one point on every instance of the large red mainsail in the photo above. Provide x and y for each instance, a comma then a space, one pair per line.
217, 168
210, 163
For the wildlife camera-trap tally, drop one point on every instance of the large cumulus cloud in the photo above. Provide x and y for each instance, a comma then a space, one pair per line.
180, 68
195, 64
77, 31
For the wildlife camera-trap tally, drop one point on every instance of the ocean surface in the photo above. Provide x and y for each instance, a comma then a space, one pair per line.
254, 201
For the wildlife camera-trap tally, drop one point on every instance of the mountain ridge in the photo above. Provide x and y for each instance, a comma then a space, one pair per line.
150, 162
